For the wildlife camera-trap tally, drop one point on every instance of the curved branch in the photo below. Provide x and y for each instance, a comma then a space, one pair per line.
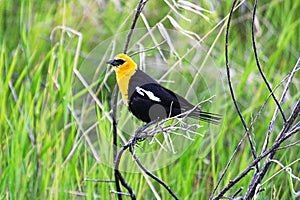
259, 67
161, 182
230, 84
270, 153
118, 175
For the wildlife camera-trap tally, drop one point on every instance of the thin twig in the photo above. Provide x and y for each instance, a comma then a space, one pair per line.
139, 134
286, 132
258, 64
227, 166
275, 147
287, 169
118, 176
231, 87
99, 181
117, 159
161, 182
115, 137
255, 161
258, 176
251, 125
290, 78
289, 145
120, 193
149, 49
237, 192
139, 9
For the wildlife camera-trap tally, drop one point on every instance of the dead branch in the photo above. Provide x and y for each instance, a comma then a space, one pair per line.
289, 128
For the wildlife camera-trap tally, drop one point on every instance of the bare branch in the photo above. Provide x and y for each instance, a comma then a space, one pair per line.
245, 134
285, 133
99, 181
287, 86
149, 49
120, 193
139, 9
227, 166
118, 176
254, 162
287, 169
161, 182
117, 173
289, 145
231, 87
258, 64
115, 137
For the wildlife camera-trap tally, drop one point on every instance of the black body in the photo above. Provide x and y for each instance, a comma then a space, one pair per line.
161, 103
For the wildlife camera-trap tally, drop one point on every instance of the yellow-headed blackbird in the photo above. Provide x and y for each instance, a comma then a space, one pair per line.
147, 99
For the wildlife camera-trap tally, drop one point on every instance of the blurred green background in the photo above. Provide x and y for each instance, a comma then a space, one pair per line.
38, 130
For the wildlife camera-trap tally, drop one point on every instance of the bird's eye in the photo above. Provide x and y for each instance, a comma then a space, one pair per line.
116, 62
120, 61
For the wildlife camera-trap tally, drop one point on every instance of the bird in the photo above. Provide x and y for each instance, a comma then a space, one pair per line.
148, 100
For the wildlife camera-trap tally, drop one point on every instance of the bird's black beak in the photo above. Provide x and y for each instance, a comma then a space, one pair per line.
112, 62
116, 62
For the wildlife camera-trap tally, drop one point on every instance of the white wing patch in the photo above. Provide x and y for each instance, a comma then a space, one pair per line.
150, 94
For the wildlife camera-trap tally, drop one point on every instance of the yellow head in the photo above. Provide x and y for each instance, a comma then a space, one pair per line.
123, 65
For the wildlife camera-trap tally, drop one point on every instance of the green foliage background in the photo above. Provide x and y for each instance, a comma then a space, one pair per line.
35, 65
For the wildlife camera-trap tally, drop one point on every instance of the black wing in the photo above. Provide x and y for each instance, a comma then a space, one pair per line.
149, 101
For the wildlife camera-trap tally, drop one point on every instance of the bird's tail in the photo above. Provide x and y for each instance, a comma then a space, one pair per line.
206, 116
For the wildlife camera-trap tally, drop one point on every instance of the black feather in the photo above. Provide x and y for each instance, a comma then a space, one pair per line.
147, 108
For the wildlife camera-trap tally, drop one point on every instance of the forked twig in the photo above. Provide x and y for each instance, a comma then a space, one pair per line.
244, 137
287, 131
139, 135
268, 153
